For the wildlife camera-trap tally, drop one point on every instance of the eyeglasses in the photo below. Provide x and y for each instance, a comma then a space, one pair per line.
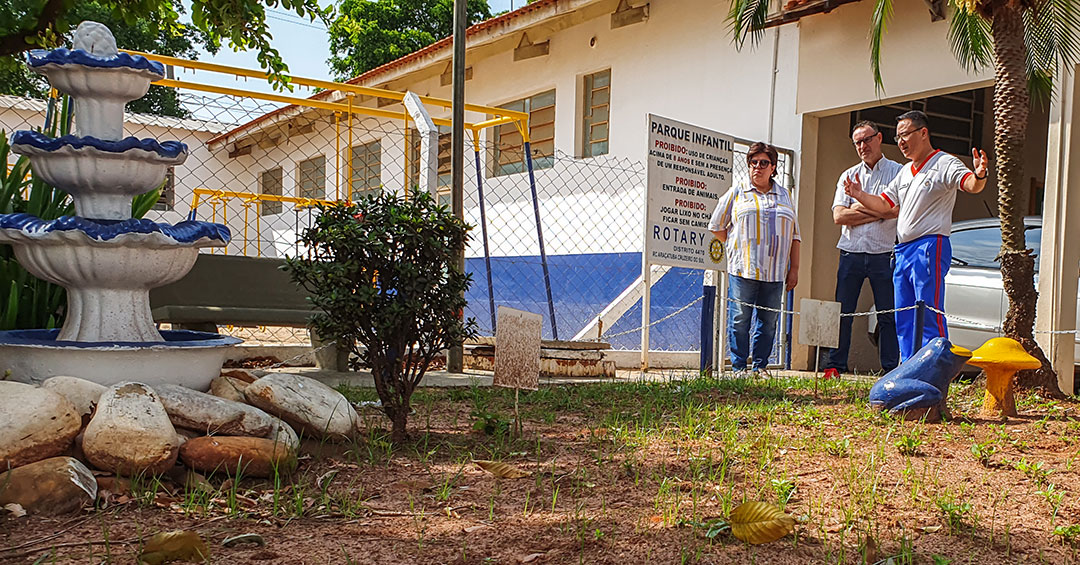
760, 163
866, 139
904, 136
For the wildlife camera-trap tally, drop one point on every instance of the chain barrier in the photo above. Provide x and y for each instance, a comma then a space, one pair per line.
651, 324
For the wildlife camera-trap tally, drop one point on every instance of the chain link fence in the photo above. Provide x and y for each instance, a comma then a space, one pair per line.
262, 168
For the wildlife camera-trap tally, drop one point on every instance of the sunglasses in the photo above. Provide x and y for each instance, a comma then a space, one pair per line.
760, 163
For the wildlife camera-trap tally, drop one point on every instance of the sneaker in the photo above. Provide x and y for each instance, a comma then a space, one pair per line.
831, 373
742, 374
762, 373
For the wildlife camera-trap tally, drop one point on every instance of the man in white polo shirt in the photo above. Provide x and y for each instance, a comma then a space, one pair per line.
925, 192
866, 249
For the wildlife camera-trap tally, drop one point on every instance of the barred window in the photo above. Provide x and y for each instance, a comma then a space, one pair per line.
366, 162
270, 183
595, 114
311, 178
956, 119
509, 147
167, 199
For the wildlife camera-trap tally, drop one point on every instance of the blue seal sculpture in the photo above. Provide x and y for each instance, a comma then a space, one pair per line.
105, 259
919, 387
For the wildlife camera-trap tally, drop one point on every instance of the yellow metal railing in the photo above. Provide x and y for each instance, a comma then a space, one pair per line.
247, 199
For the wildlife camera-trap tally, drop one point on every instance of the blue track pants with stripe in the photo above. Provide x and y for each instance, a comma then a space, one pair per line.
919, 274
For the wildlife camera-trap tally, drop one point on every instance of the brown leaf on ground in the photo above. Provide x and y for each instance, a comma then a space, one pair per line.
759, 522
180, 545
500, 469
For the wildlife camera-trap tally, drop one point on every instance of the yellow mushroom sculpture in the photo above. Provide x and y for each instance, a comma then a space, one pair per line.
1001, 358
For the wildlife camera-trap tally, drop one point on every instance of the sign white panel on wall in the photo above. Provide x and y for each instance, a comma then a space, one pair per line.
689, 169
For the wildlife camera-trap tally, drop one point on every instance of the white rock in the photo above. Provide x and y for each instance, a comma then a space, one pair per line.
306, 404
212, 415
282, 432
229, 388
35, 424
82, 393
130, 432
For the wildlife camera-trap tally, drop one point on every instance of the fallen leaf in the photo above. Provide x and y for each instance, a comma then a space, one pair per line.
531, 557
244, 538
16, 509
758, 522
500, 469
476, 528
326, 478
179, 545
930, 529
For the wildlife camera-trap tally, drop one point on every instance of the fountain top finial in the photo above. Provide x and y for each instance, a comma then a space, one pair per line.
95, 38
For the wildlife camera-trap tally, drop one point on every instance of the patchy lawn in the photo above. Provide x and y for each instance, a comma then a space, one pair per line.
629, 473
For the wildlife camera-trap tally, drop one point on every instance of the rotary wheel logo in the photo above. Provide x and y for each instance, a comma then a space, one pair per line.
716, 250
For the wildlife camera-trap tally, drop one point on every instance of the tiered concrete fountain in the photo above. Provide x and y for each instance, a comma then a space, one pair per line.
107, 260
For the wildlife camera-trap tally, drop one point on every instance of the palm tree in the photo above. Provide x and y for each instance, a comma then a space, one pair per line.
1028, 42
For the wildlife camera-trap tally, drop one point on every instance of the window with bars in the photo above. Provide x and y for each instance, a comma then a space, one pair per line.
366, 162
270, 183
445, 166
167, 199
311, 178
956, 120
596, 110
509, 154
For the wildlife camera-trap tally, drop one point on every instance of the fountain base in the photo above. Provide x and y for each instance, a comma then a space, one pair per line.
185, 358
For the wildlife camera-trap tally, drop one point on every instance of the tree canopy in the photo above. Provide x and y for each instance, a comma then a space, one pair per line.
368, 33
29, 24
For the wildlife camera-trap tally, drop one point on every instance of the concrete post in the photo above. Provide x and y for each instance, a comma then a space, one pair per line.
1059, 256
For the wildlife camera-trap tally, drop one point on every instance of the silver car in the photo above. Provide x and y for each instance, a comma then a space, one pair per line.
974, 298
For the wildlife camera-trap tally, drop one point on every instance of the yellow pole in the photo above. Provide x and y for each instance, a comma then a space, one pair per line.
224, 219
247, 208
408, 149
349, 181
258, 233
337, 156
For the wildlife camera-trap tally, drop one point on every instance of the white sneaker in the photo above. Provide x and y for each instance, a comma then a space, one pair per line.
762, 374
742, 374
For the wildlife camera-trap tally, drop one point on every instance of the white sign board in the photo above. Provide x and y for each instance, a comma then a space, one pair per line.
689, 168
517, 349
819, 323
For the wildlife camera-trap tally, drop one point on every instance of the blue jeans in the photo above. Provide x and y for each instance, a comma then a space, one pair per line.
758, 293
852, 270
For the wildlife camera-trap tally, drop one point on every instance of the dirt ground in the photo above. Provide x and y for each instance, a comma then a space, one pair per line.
627, 473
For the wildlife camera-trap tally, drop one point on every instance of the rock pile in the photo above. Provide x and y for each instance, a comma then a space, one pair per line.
53, 435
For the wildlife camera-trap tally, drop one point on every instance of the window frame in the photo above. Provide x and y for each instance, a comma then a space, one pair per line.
320, 189
371, 148
541, 159
271, 208
588, 108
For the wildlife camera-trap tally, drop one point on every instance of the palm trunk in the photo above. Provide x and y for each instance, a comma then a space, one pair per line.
1011, 106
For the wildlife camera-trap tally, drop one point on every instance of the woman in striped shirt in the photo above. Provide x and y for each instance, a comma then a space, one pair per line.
758, 224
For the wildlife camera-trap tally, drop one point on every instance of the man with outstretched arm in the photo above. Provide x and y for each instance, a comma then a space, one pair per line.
925, 193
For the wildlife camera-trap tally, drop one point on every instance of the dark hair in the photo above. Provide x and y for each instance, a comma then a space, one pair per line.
762, 147
866, 124
917, 119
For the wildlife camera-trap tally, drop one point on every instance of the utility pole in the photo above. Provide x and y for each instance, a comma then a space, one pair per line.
455, 360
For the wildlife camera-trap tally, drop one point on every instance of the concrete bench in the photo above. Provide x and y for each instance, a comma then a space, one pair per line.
230, 289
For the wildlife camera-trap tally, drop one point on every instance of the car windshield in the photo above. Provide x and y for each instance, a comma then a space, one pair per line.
979, 247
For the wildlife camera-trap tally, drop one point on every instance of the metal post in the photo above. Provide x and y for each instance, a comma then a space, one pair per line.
920, 319
540, 239
455, 359
483, 230
708, 302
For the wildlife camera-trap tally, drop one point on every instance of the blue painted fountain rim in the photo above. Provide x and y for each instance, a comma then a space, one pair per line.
173, 339
188, 231
65, 56
38, 140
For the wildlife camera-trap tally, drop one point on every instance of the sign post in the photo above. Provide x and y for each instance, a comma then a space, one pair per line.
689, 168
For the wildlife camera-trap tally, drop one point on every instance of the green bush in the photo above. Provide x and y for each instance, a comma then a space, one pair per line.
383, 274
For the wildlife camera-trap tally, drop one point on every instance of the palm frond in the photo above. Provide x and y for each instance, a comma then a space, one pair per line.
747, 18
971, 39
1052, 38
879, 21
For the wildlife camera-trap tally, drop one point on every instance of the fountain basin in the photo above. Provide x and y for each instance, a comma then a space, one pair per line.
185, 358
101, 86
108, 268
101, 176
